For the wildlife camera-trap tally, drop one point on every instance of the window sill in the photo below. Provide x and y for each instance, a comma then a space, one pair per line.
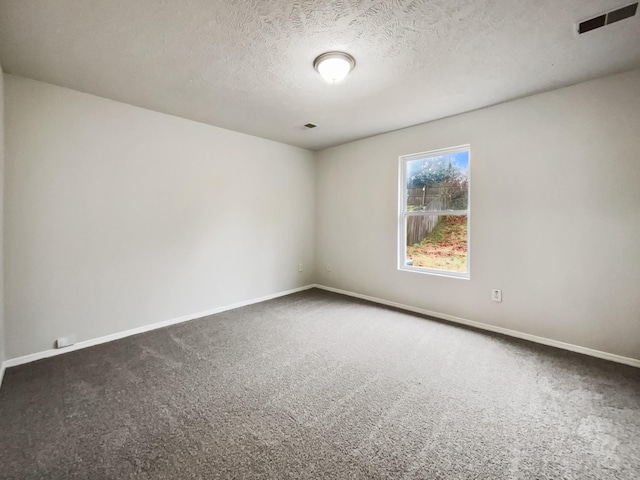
437, 273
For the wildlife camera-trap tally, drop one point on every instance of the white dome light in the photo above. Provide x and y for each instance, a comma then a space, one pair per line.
334, 66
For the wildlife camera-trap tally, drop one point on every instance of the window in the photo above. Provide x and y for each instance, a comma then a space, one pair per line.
434, 212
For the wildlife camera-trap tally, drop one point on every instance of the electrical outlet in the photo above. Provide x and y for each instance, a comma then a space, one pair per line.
496, 295
328, 267
300, 267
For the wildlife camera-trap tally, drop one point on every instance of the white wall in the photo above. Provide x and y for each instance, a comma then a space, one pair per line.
2, 353
555, 222
119, 217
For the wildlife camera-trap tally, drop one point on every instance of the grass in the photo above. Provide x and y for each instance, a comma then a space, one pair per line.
445, 248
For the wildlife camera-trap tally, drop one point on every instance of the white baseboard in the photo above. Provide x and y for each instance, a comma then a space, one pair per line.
505, 331
134, 331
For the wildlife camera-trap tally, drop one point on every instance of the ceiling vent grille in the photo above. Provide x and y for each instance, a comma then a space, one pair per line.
608, 18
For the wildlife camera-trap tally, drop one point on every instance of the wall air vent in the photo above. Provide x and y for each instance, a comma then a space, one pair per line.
608, 18
311, 125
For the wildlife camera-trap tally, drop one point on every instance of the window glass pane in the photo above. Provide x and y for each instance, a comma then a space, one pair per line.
438, 182
437, 242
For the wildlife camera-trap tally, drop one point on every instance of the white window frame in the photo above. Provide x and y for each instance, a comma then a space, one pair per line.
403, 214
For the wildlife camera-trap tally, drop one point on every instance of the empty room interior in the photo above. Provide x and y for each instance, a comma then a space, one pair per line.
382, 239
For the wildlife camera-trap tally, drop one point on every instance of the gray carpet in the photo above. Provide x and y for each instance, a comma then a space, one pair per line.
317, 385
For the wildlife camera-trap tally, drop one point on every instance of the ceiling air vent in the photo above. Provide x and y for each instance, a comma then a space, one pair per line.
311, 125
608, 18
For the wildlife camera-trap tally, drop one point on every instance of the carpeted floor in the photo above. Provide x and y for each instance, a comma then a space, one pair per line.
317, 385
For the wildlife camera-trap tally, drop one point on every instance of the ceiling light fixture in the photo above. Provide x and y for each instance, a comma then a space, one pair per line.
334, 66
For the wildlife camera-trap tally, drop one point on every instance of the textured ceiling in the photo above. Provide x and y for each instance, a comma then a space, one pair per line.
246, 65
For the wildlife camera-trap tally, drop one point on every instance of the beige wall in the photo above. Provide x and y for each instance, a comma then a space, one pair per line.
555, 222
119, 217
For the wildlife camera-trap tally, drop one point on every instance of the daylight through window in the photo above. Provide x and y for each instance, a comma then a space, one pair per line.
434, 212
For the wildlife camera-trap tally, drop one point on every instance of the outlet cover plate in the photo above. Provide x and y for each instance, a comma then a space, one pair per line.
65, 341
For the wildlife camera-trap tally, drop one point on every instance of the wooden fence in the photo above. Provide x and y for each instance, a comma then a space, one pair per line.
422, 196
429, 199
419, 226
